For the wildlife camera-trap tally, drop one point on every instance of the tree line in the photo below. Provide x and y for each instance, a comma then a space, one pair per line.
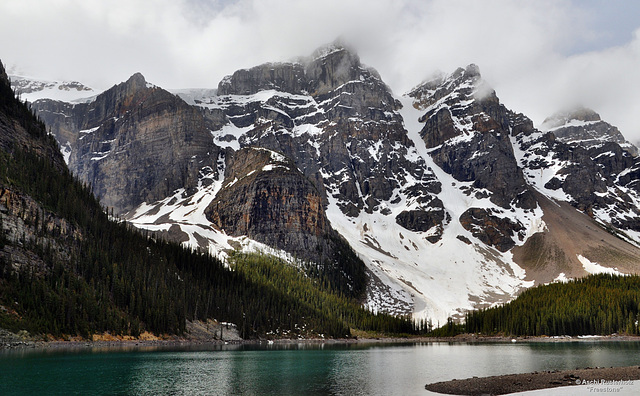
600, 304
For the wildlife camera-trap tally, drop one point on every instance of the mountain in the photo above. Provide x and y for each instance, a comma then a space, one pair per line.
585, 127
137, 144
451, 200
68, 269
531, 178
32, 89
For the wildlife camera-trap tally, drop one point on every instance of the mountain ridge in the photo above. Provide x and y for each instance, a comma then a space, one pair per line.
69, 271
442, 185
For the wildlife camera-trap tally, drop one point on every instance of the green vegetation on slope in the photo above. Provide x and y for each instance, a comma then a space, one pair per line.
341, 311
598, 304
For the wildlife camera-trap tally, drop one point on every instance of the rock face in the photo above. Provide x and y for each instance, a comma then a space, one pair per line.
596, 166
468, 130
4, 78
135, 143
265, 197
25, 224
584, 127
492, 230
18, 130
28, 231
468, 133
593, 178
283, 77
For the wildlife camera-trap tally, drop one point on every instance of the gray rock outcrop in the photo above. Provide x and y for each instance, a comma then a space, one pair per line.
135, 143
265, 197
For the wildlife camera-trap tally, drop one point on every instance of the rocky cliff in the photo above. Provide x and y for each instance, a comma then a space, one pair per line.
4, 78
28, 228
265, 197
134, 143
20, 131
584, 127
31, 235
467, 131
589, 176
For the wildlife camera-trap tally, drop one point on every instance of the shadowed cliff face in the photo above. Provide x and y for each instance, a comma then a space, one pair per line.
266, 198
469, 132
19, 130
135, 143
4, 78
28, 229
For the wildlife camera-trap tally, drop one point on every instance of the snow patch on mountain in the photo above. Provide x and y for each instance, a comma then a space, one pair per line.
450, 276
539, 166
595, 268
185, 212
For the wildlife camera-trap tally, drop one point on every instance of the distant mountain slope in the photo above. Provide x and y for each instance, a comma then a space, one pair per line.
443, 193
32, 89
585, 127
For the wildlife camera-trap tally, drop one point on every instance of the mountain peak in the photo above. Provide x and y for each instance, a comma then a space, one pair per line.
463, 82
583, 126
471, 72
337, 46
329, 67
578, 113
136, 81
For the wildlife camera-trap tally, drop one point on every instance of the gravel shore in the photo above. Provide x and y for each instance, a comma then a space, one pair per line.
198, 336
599, 379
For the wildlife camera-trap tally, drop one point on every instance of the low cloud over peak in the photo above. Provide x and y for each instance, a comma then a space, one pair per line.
538, 56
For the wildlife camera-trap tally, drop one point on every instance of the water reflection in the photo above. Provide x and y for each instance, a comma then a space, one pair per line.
291, 369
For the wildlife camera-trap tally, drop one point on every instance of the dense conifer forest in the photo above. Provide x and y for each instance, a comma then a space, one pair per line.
116, 279
598, 304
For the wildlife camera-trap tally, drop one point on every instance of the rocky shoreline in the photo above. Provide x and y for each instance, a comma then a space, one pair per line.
198, 337
599, 379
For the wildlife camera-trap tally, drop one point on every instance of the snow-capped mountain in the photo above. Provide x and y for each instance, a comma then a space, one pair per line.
585, 127
32, 89
450, 199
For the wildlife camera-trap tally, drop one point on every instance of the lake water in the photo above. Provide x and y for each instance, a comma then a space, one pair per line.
299, 369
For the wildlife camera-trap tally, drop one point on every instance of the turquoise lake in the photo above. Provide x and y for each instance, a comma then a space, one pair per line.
298, 369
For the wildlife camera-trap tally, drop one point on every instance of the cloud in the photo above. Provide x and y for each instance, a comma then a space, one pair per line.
539, 56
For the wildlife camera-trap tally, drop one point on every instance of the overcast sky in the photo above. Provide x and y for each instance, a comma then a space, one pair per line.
540, 56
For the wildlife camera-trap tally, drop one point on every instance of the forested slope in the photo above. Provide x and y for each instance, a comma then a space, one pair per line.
598, 304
